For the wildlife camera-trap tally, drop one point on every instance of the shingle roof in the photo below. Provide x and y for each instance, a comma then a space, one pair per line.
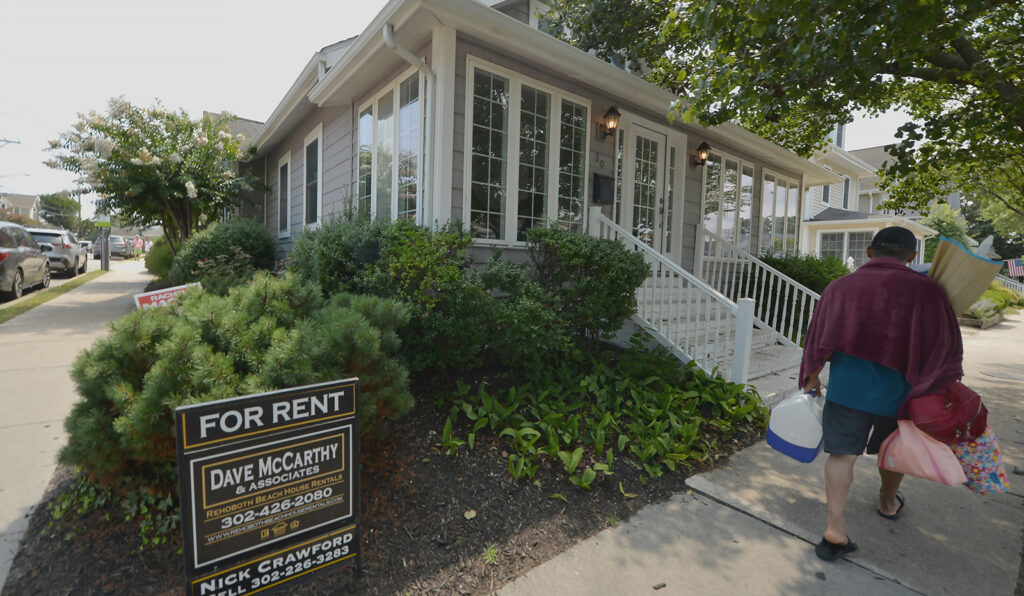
24, 202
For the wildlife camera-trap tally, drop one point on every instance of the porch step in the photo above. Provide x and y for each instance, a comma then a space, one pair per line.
773, 359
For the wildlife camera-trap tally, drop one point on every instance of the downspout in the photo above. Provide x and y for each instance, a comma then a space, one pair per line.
388, 32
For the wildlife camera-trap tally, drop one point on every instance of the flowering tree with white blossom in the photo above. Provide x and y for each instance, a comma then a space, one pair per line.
151, 166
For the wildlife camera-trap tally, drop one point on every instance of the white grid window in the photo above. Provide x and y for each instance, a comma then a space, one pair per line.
284, 195
534, 129
572, 166
490, 129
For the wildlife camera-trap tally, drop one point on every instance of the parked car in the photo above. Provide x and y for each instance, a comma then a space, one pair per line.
118, 247
86, 245
23, 264
63, 249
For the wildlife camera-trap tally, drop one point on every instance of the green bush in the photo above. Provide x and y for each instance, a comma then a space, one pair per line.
227, 240
811, 271
592, 281
947, 222
339, 254
270, 334
159, 258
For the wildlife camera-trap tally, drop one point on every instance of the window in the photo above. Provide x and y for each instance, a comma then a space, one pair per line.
780, 217
728, 193
389, 145
846, 192
528, 138
313, 174
284, 195
825, 191
843, 245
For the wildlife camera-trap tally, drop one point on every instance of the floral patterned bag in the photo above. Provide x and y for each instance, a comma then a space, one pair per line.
982, 464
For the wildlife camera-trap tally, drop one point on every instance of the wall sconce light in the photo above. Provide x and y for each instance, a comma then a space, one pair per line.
701, 156
611, 123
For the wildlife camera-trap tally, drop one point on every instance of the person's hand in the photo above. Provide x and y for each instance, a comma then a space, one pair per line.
813, 384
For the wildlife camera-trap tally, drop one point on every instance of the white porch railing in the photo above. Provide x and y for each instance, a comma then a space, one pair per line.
1016, 286
782, 304
684, 314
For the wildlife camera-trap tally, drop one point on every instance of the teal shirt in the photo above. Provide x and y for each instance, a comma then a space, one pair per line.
866, 386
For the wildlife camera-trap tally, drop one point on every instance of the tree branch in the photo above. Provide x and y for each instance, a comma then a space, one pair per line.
967, 51
1004, 201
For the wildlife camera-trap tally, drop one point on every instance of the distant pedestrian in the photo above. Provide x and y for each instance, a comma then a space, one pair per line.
890, 333
137, 245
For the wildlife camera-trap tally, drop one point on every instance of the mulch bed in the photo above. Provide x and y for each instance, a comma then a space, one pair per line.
416, 537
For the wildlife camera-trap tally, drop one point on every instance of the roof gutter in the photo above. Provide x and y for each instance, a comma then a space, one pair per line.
388, 33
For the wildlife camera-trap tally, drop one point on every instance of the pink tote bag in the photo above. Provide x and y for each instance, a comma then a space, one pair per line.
909, 450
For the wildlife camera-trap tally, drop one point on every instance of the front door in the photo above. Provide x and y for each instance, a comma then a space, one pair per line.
645, 177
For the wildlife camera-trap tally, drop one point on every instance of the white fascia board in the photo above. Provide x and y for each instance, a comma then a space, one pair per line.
292, 99
876, 222
843, 159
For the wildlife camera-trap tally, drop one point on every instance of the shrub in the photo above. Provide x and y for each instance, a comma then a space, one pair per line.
947, 222
270, 334
593, 281
811, 271
159, 258
220, 240
338, 254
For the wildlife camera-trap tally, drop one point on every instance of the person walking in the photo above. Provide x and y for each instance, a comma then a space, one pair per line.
889, 334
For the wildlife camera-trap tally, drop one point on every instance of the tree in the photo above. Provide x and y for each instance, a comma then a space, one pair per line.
791, 71
151, 166
18, 218
59, 209
948, 223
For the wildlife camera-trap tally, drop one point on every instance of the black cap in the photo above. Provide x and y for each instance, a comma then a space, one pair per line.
895, 237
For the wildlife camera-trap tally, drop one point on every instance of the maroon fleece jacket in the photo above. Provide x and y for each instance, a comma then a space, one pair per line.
890, 315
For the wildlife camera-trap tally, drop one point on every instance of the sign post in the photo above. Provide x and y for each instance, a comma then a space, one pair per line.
269, 487
103, 223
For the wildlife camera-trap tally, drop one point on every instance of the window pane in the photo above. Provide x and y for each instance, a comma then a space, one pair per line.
408, 146
858, 247
365, 162
746, 200
831, 245
385, 153
767, 209
619, 157
730, 186
846, 193
779, 233
825, 191
792, 219
282, 199
572, 166
312, 180
712, 200
488, 159
535, 109
669, 199
645, 188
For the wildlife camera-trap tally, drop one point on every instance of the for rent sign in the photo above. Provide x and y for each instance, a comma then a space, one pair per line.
269, 486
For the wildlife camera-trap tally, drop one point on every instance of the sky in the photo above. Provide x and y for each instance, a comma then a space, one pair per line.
61, 57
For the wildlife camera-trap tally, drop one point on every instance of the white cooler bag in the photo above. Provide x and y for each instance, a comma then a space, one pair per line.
794, 428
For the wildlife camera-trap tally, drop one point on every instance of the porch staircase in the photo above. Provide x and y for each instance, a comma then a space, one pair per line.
743, 320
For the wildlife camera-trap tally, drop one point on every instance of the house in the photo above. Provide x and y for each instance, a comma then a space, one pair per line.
468, 111
840, 220
27, 205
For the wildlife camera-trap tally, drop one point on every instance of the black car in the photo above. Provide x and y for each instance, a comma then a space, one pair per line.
22, 263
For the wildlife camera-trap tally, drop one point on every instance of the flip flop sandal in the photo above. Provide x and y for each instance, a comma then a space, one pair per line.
894, 516
830, 551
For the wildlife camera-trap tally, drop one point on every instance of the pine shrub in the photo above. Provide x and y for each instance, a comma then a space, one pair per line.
270, 334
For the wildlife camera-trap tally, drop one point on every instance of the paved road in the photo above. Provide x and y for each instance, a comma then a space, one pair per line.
36, 391
748, 526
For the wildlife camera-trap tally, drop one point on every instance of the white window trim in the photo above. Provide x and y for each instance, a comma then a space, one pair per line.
316, 134
394, 85
848, 190
516, 81
286, 160
537, 8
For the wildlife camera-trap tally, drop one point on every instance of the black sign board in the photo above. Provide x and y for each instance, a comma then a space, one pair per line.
269, 486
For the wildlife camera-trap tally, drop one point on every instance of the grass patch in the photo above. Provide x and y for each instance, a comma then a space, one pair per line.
42, 296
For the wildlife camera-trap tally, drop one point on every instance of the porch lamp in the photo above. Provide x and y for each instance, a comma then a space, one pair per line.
611, 122
701, 156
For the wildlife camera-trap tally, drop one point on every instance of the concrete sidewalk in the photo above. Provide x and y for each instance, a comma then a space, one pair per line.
37, 350
749, 526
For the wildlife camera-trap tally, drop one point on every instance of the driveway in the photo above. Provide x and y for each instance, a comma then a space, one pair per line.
37, 350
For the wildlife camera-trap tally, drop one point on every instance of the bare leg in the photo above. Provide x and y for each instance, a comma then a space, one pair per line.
838, 478
887, 502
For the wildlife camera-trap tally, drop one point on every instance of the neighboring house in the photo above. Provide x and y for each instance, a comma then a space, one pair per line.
841, 219
27, 205
463, 110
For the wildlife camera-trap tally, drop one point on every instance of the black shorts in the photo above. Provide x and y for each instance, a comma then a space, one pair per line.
848, 431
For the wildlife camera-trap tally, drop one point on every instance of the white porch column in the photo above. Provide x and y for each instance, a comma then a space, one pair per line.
442, 57
594, 220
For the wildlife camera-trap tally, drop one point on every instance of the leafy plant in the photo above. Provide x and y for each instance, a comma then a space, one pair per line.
228, 239
159, 258
490, 554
